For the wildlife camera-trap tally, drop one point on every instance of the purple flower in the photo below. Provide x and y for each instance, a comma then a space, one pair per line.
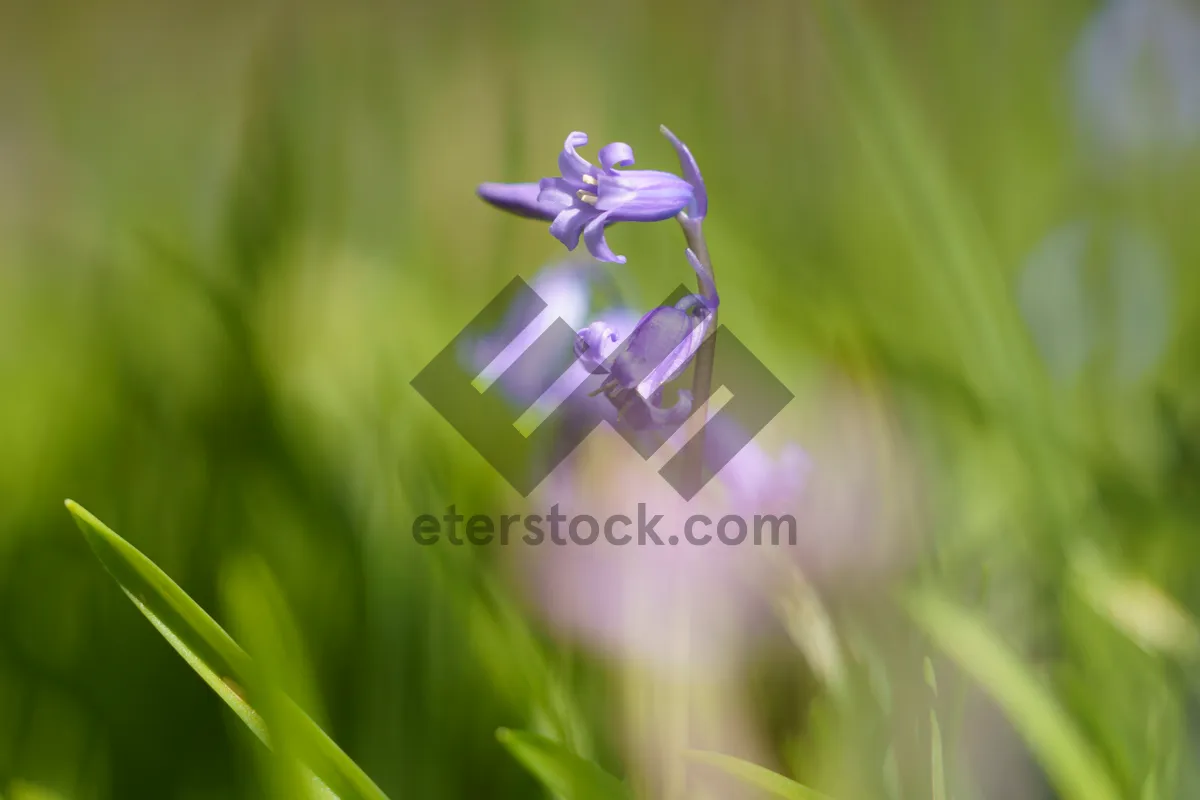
698, 210
658, 350
584, 199
518, 198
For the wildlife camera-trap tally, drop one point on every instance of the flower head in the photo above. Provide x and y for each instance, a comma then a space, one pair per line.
585, 198
657, 350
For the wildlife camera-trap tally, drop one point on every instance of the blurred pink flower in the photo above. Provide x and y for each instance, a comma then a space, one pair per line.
698, 606
636, 599
681, 615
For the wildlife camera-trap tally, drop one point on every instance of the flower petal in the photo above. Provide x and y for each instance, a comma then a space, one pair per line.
656, 336
617, 154
594, 344
572, 165
691, 173
568, 224
642, 195
593, 237
677, 360
555, 193
517, 198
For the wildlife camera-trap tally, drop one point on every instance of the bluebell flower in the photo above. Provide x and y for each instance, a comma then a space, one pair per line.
657, 351
583, 199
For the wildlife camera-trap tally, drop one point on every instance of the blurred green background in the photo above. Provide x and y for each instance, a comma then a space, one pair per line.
962, 232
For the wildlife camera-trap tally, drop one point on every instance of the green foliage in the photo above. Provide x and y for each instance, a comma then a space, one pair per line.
223, 665
232, 233
761, 777
1051, 734
565, 774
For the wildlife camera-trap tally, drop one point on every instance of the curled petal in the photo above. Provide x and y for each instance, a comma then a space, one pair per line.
572, 165
622, 321
691, 173
523, 199
695, 306
617, 154
593, 237
567, 226
594, 344
676, 413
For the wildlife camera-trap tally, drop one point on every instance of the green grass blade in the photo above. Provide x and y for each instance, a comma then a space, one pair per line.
216, 658
562, 772
937, 763
754, 775
1051, 735
947, 235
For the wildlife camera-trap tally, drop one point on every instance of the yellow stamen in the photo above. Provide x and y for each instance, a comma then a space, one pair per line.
591, 199
589, 180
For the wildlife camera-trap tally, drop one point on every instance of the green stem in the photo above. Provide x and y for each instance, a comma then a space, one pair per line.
702, 376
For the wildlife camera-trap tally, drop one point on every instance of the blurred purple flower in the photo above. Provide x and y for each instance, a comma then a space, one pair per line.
631, 600
1137, 77
584, 199
853, 492
572, 292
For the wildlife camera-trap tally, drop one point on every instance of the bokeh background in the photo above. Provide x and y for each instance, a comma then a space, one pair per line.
962, 232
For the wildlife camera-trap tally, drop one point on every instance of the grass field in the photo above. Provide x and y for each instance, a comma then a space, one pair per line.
961, 233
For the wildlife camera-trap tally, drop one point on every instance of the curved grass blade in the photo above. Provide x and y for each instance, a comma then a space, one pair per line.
565, 774
215, 657
1051, 735
759, 777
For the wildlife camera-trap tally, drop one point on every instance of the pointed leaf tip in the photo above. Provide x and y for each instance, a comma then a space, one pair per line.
566, 774
757, 776
215, 657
